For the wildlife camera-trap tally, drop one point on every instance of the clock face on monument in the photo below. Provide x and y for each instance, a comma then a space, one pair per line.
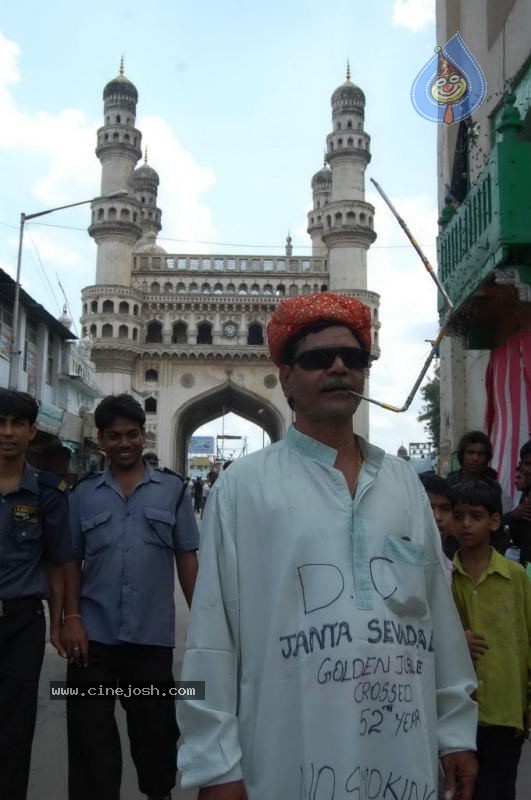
230, 330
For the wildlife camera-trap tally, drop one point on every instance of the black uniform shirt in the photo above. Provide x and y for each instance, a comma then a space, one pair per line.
33, 528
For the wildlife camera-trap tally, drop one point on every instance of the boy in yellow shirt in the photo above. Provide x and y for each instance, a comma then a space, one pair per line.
493, 597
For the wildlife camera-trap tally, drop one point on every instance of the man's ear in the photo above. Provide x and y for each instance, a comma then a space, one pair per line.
495, 521
32, 432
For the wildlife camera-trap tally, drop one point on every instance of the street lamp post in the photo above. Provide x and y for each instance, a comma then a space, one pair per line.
14, 361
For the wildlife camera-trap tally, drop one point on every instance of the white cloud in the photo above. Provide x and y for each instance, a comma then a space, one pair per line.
414, 15
183, 182
68, 171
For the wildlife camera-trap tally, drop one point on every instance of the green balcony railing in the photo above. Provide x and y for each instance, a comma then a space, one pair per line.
492, 227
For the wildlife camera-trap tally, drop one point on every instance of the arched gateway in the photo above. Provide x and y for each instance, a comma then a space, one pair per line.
185, 333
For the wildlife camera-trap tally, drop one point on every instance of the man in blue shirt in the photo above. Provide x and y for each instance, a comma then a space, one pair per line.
34, 549
129, 524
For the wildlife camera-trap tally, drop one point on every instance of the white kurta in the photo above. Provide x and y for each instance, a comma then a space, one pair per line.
323, 626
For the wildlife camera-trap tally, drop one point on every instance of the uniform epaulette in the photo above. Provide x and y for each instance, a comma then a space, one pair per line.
51, 480
169, 471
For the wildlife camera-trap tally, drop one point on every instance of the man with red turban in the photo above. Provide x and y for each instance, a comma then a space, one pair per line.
322, 624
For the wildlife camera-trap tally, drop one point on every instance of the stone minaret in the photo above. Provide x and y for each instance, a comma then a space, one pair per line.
115, 225
347, 219
341, 222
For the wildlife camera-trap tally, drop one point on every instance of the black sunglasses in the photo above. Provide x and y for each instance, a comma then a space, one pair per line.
324, 357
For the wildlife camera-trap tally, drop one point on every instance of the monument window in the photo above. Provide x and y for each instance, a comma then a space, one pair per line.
155, 288
218, 288
93, 332
135, 334
124, 308
123, 332
154, 333
168, 288
194, 289
255, 334
281, 265
243, 265
179, 333
231, 289
106, 331
150, 405
205, 288
94, 307
181, 288
151, 375
242, 288
204, 333
108, 307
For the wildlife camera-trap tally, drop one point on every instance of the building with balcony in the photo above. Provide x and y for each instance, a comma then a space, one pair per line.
484, 244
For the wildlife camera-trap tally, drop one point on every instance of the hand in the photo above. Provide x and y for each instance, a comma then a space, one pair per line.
74, 641
460, 773
55, 639
235, 790
522, 511
476, 644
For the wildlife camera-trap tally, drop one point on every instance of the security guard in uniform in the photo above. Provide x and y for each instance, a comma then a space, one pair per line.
34, 549
131, 526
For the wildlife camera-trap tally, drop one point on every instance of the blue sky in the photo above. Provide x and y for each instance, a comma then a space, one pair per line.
234, 108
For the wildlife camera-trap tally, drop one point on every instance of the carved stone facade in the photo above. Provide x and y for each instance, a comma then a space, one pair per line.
186, 334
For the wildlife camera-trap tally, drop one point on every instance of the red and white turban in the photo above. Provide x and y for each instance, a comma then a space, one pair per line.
298, 313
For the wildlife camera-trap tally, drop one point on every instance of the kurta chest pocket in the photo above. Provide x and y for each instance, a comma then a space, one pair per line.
97, 531
159, 528
399, 578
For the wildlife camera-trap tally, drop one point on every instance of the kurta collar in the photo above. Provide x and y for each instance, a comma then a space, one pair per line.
373, 456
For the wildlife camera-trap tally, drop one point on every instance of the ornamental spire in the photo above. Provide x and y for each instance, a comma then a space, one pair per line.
348, 70
122, 65
146, 156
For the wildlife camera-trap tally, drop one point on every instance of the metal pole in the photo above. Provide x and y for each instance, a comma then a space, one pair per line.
14, 361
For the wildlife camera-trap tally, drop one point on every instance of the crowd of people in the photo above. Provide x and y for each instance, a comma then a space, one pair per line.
360, 633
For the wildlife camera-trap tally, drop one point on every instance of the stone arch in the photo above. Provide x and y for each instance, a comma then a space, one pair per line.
151, 375
94, 307
123, 332
208, 406
123, 308
255, 334
179, 333
106, 331
108, 307
154, 332
204, 333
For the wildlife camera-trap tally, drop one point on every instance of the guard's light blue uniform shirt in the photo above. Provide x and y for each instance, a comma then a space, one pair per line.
334, 660
128, 548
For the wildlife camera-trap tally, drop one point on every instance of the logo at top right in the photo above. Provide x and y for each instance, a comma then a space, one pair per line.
451, 86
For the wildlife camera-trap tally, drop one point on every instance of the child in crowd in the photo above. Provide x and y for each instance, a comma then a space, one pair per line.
441, 497
493, 597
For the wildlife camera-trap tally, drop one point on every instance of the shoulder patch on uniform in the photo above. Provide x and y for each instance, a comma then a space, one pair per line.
51, 480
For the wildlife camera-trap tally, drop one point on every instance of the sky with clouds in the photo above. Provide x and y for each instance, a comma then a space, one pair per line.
234, 106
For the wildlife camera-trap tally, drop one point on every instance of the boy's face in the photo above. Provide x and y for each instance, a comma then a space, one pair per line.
15, 436
473, 525
519, 480
442, 511
123, 441
475, 458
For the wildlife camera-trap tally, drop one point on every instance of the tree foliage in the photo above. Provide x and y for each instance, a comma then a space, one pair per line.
430, 413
